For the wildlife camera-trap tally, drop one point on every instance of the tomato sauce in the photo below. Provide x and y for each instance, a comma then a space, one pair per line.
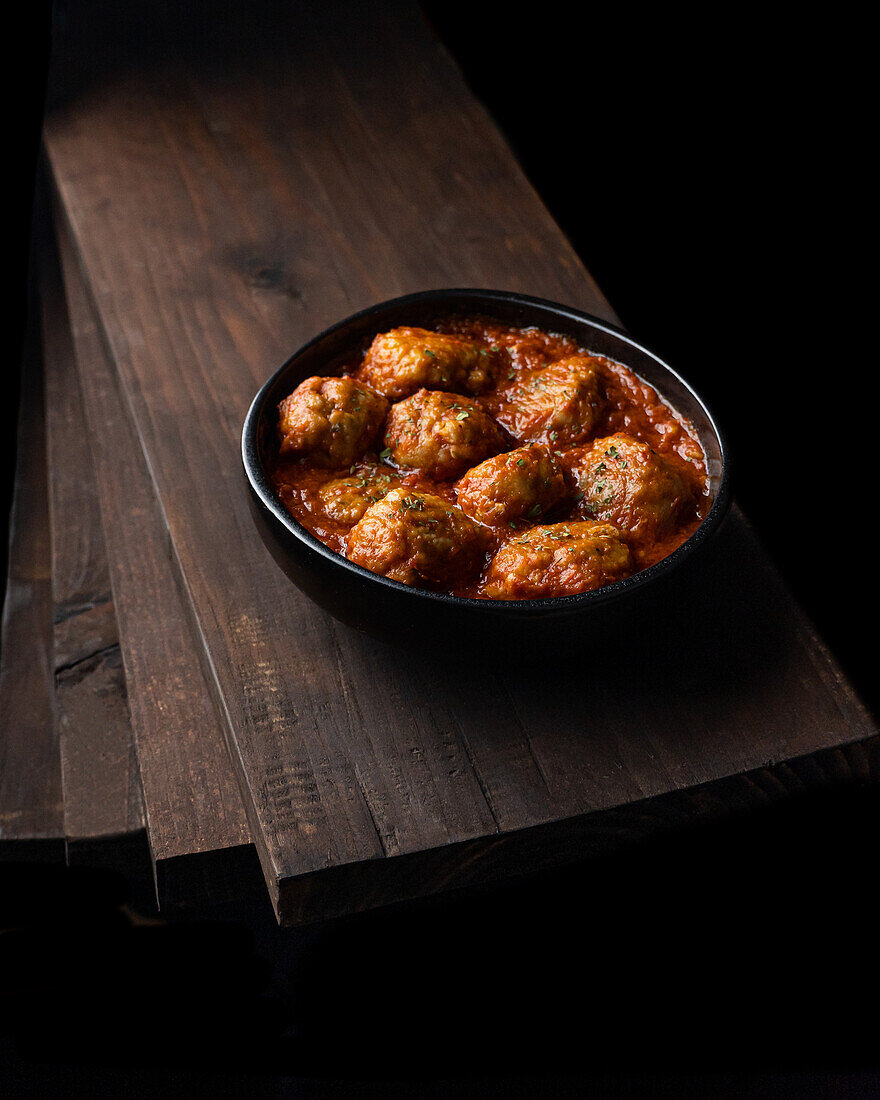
630, 406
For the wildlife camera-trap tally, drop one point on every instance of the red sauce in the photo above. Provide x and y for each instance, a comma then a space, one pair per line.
630, 406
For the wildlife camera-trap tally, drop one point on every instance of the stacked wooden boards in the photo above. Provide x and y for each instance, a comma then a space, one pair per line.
223, 193
69, 773
77, 699
31, 805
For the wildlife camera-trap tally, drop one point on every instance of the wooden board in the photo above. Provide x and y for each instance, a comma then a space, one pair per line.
103, 807
227, 203
31, 809
193, 808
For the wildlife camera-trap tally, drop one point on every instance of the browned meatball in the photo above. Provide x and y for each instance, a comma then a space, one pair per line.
559, 560
623, 481
404, 360
345, 499
332, 420
560, 404
520, 485
441, 434
417, 538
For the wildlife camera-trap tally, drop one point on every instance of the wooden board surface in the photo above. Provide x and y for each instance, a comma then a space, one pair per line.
103, 807
227, 203
192, 805
31, 807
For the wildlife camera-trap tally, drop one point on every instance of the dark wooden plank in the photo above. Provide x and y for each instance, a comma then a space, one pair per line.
225, 207
197, 830
103, 807
839, 771
31, 809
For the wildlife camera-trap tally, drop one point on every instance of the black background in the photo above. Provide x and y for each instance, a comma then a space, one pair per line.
709, 169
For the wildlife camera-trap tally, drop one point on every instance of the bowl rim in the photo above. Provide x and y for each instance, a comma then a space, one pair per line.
261, 486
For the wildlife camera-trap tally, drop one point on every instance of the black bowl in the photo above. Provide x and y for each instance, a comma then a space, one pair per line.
398, 613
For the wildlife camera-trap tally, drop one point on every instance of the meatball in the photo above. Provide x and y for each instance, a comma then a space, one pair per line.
404, 360
520, 485
560, 404
332, 420
441, 434
623, 481
345, 499
559, 560
417, 538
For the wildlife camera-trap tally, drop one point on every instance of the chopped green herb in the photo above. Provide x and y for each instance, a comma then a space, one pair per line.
385, 454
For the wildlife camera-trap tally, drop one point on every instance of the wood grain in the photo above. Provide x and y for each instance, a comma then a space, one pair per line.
100, 781
192, 804
227, 203
31, 807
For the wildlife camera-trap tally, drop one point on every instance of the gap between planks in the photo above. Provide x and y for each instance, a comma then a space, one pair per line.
31, 801
103, 805
194, 813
